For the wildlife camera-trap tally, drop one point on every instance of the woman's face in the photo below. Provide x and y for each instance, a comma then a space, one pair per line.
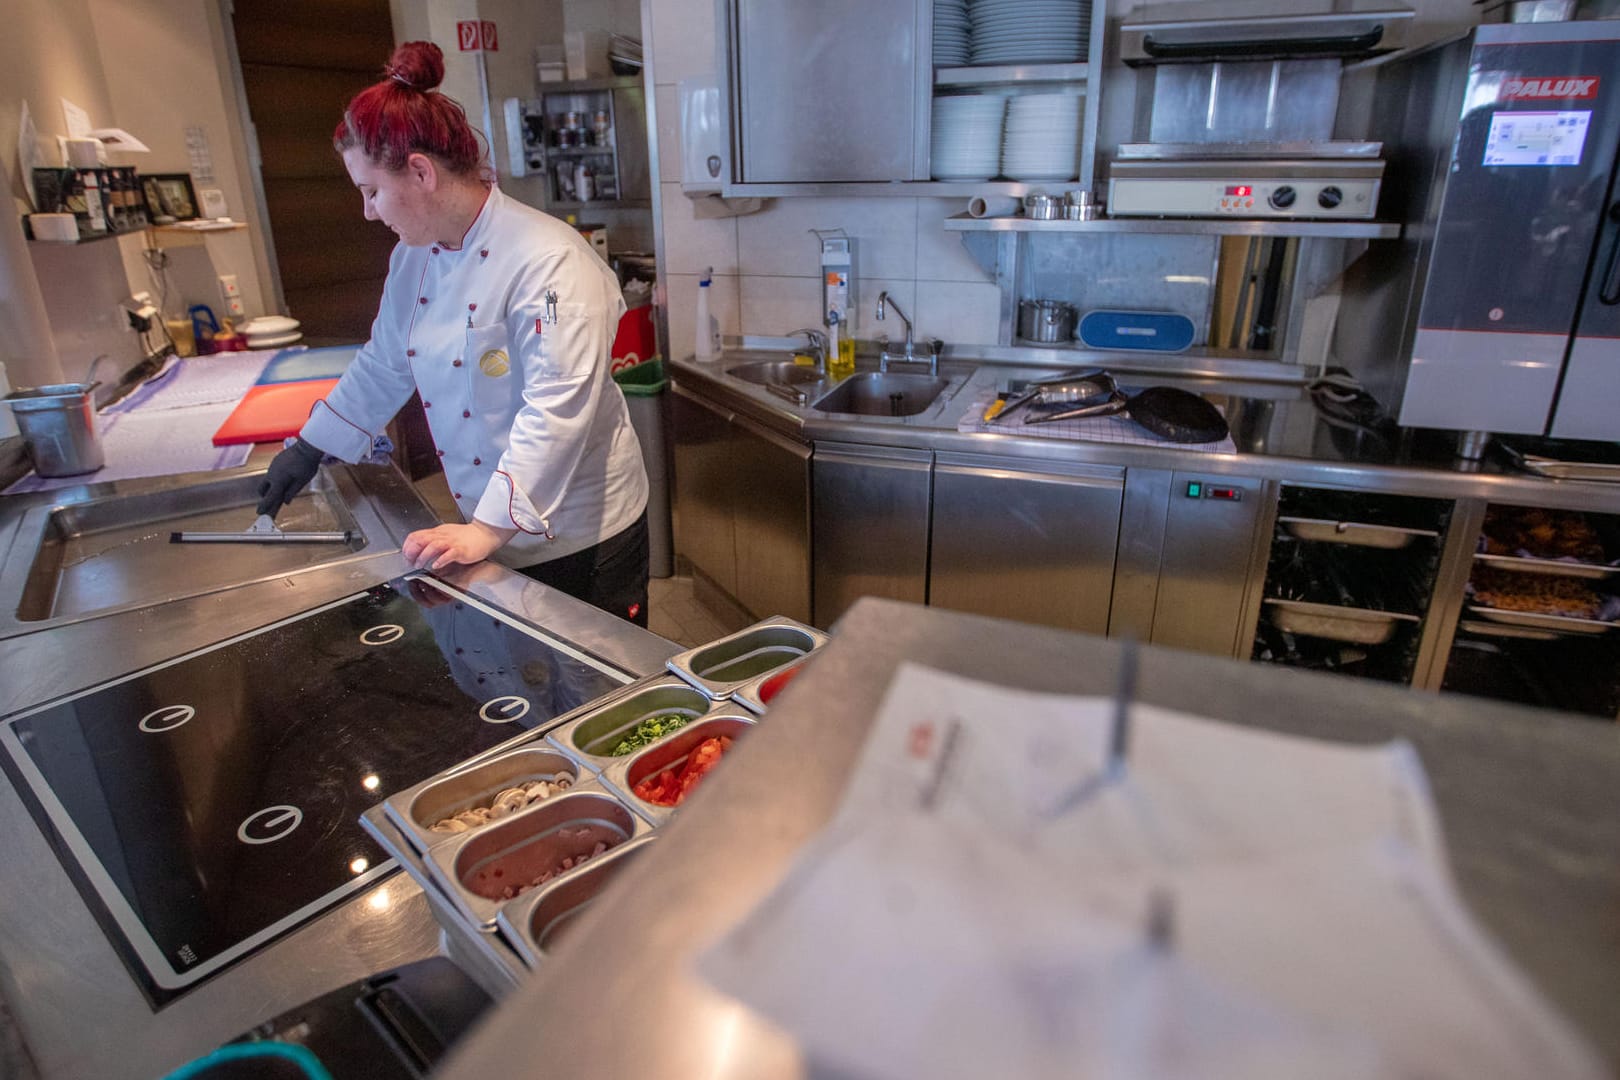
403, 199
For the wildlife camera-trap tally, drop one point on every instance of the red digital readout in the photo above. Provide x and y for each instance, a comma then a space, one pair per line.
1240, 190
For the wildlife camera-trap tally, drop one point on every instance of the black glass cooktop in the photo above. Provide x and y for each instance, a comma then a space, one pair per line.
207, 804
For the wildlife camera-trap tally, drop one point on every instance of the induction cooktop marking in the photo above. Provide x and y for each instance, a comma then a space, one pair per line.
504, 709
382, 635
167, 718
269, 825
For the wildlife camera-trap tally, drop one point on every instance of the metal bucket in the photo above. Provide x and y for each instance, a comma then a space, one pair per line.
59, 428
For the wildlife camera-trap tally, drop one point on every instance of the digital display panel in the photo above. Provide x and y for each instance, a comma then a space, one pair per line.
1536, 138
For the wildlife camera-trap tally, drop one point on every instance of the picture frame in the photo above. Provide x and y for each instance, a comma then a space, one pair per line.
169, 196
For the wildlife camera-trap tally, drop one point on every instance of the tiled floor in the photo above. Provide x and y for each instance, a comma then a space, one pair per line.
674, 610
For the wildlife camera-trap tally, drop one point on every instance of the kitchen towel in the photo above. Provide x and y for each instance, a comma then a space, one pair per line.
219, 379
1106, 429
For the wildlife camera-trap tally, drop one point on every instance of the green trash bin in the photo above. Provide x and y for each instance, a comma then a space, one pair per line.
643, 385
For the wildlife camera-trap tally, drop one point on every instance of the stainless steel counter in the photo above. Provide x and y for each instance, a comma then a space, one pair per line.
1278, 432
79, 1012
1527, 800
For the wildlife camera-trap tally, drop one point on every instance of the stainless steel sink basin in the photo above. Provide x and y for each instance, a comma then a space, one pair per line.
875, 393
80, 560
777, 372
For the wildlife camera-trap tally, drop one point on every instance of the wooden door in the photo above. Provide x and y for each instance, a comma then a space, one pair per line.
302, 60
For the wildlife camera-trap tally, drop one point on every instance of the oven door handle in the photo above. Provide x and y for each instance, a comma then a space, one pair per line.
1609, 290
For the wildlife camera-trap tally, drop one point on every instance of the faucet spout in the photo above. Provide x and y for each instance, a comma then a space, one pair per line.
886, 301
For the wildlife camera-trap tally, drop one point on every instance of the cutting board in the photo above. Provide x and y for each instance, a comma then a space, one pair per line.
272, 413
301, 365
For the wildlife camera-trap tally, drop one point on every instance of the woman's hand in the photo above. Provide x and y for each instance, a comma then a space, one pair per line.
446, 545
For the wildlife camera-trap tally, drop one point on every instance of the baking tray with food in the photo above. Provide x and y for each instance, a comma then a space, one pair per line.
1559, 543
661, 777
656, 708
483, 869
722, 667
1543, 601
476, 794
535, 922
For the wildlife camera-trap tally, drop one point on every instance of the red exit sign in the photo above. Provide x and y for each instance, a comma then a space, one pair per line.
476, 35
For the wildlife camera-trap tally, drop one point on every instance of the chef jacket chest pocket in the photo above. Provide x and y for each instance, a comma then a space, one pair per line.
489, 366
565, 349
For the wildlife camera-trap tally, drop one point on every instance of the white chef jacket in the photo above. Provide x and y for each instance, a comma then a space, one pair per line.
508, 339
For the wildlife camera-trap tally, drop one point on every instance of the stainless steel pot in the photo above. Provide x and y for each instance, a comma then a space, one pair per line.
1041, 207
1046, 321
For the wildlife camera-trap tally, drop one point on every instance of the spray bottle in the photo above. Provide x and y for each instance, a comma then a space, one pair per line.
707, 347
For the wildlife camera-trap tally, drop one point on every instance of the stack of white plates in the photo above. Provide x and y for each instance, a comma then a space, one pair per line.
951, 33
271, 331
1042, 139
1030, 31
966, 141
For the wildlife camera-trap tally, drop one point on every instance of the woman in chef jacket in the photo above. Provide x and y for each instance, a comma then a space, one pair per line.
503, 318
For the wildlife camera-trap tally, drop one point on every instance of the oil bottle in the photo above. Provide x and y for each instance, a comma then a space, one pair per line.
840, 349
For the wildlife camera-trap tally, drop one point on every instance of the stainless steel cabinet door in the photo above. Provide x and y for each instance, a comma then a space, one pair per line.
827, 91
771, 513
870, 525
1037, 546
704, 486
1204, 574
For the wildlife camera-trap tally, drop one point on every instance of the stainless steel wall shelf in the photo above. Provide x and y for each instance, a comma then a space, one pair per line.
1336, 230
1011, 73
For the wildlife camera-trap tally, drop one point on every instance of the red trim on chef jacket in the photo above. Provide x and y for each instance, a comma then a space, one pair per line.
340, 416
511, 498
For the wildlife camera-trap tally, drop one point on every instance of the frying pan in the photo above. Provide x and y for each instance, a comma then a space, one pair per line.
1175, 415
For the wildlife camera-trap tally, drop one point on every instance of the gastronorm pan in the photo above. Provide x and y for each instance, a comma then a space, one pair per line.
1359, 626
532, 923
668, 753
721, 666
1358, 533
591, 737
415, 810
1564, 624
756, 694
475, 869
1521, 564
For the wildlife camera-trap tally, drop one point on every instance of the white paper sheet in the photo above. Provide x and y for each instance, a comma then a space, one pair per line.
947, 924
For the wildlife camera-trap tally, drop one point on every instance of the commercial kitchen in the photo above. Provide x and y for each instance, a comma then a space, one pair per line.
1149, 475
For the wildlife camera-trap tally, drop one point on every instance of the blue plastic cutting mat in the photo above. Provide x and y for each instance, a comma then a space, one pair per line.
300, 365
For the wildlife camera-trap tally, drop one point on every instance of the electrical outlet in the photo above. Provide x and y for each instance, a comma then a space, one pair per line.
228, 286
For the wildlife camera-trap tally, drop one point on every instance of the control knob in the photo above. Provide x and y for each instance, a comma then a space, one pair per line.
1282, 198
1329, 197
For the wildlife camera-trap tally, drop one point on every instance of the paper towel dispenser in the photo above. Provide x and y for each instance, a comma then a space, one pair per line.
704, 167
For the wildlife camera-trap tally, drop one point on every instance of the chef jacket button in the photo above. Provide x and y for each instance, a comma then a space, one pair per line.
458, 494
483, 253
439, 452
410, 352
421, 299
456, 362
478, 461
472, 307
427, 404
465, 414
435, 251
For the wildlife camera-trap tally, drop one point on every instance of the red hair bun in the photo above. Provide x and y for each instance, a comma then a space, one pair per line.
417, 64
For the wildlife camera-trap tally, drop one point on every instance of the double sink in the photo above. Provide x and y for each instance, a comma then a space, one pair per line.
866, 393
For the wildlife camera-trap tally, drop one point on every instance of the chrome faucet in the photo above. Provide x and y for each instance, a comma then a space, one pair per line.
818, 345
935, 345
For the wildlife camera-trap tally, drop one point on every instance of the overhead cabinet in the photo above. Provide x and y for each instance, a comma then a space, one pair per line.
834, 91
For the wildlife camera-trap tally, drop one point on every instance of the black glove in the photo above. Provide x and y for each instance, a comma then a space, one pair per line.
290, 471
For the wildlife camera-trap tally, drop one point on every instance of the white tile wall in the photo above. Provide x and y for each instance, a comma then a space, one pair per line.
940, 254
667, 102
683, 39
778, 240
691, 243
775, 305
723, 305
958, 312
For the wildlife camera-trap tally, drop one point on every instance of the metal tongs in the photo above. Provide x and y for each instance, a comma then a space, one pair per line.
1085, 389
264, 530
